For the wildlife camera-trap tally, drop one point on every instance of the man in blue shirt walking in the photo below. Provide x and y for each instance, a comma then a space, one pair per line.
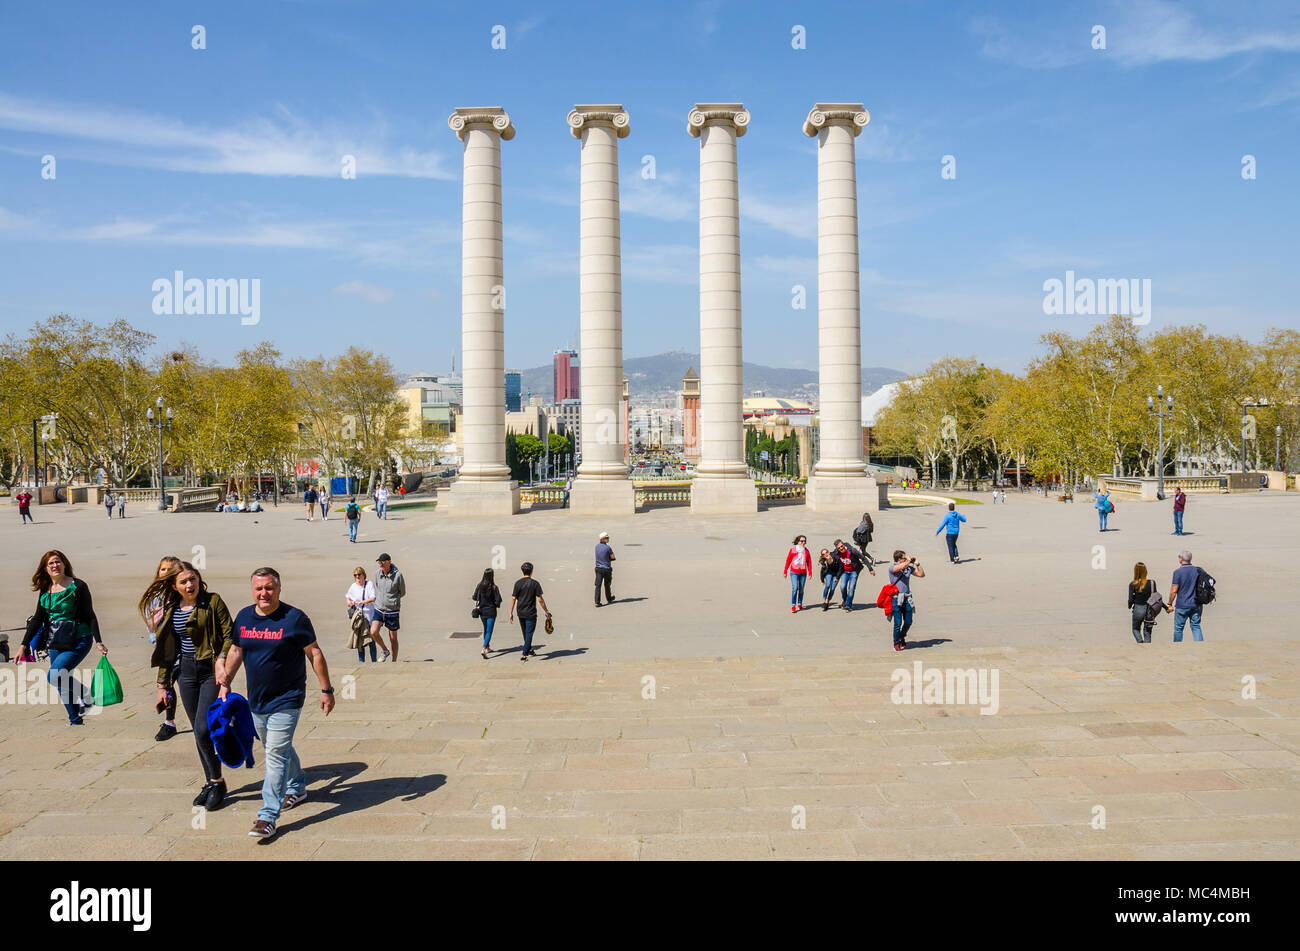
952, 525
274, 642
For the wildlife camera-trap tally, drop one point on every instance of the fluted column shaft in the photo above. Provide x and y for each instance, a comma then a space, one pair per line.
722, 442
482, 299
600, 293
839, 322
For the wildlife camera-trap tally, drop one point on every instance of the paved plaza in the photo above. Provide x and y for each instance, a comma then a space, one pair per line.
755, 722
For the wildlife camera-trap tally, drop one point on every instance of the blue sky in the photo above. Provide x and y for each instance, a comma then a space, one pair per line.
225, 163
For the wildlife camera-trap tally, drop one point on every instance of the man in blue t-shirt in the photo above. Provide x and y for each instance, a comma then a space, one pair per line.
1182, 598
271, 639
952, 524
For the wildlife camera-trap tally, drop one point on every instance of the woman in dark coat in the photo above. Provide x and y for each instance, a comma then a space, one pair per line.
487, 598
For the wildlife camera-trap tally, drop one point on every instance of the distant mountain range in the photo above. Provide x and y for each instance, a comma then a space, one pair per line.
662, 374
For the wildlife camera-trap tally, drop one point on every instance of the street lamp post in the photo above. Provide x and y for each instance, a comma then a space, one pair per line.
45, 466
160, 426
1244, 468
1161, 407
1277, 448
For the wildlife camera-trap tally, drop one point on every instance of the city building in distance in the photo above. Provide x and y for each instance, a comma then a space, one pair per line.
514, 390
565, 364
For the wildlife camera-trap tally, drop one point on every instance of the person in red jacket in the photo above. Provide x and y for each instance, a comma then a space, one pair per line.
24, 499
798, 565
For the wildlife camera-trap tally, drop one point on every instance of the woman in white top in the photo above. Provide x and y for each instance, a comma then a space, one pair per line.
324, 499
361, 597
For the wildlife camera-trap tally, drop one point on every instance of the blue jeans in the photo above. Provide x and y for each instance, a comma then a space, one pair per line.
1178, 523
374, 653
1101, 517
1181, 617
62, 663
829, 587
488, 624
381, 509
952, 546
352, 528
903, 612
284, 773
528, 624
797, 582
850, 586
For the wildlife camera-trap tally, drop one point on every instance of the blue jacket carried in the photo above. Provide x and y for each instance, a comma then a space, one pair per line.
952, 522
230, 722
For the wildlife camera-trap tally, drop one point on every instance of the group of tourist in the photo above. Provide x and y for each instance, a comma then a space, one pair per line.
841, 566
197, 649
119, 500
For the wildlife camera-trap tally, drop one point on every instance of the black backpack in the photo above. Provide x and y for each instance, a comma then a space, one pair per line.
353, 511
1204, 587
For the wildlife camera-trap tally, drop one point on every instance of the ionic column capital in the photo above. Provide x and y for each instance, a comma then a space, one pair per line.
851, 114
733, 114
492, 116
590, 115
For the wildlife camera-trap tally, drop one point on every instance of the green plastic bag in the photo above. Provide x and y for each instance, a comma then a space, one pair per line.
105, 687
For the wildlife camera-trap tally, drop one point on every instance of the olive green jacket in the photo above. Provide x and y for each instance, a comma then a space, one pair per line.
209, 626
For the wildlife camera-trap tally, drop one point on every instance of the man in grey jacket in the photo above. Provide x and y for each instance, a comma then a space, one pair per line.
390, 588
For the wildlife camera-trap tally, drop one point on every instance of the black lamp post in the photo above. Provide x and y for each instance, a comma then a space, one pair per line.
1277, 449
160, 426
1161, 408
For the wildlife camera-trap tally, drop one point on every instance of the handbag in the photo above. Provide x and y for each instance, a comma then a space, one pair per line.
475, 614
60, 635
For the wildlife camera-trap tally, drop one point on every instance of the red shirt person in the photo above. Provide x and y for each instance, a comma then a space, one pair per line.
24, 499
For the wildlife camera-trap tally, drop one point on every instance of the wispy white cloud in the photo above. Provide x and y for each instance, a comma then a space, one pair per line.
1138, 33
280, 144
12, 221
367, 292
799, 220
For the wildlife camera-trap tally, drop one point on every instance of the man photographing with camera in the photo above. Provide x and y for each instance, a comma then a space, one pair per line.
901, 573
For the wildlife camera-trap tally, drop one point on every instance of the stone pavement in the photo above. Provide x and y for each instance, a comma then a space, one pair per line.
755, 711
575, 759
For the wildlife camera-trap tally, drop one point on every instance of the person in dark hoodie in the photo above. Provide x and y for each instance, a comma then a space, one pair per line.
193, 636
64, 608
862, 534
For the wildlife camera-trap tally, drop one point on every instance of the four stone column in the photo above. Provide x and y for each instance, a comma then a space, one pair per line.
839, 481
602, 486
484, 486
722, 484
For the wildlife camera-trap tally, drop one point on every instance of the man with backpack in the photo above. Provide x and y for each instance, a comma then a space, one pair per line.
309, 499
353, 514
1190, 590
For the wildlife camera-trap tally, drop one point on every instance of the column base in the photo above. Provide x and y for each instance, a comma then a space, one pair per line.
480, 499
723, 497
601, 497
831, 494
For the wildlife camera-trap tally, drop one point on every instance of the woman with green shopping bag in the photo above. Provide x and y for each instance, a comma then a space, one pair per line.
65, 612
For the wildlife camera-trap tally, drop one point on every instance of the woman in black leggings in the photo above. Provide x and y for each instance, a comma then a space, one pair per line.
193, 637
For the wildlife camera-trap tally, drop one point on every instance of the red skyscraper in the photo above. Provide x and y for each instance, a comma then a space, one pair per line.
566, 375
